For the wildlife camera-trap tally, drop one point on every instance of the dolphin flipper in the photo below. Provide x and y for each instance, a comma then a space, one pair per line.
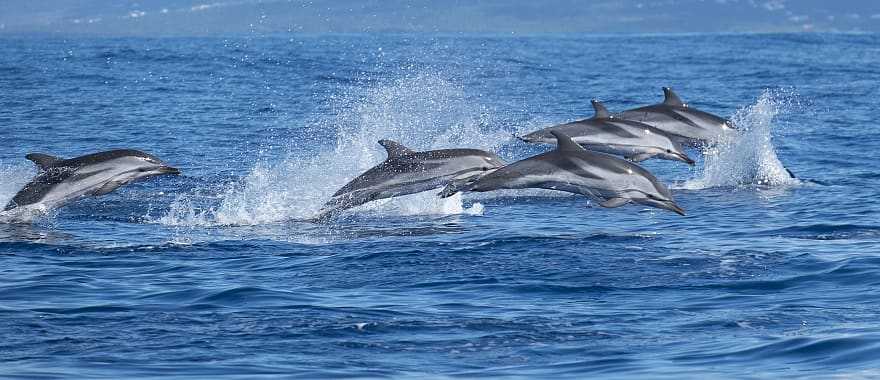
614, 202
107, 188
640, 157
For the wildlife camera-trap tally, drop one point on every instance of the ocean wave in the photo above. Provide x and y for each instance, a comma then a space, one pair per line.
827, 350
824, 231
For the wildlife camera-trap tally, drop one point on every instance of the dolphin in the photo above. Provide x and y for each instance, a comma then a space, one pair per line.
605, 133
608, 180
408, 172
690, 125
62, 181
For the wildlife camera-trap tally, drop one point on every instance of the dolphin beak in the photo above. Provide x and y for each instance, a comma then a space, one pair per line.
674, 207
165, 169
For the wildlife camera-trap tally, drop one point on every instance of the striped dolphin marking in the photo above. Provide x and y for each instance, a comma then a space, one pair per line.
608, 180
62, 181
605, 133
405, 171
673, 116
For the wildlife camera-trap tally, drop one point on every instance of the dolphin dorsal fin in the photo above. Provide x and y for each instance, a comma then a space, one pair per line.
601, 111
43, 161
671, 99
395, 149
565, 143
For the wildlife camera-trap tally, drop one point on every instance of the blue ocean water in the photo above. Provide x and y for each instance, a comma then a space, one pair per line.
210, 275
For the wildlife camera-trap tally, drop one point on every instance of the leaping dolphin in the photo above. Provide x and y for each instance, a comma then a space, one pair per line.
673, 116
408, 172
608, 180
62, 181
605, 133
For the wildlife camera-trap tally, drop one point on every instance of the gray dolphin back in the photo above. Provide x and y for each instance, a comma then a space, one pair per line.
608, 134
675, 117
406, 171
610, 181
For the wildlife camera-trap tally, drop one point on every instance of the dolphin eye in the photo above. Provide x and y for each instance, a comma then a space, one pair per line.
668, 151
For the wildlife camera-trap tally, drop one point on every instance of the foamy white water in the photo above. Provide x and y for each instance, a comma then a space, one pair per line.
15, 176
747, 156
421, 111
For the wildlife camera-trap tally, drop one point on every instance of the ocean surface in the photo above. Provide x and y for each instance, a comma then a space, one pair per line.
210, 275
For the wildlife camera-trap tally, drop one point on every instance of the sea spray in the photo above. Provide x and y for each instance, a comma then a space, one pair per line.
15, 176
747, 156
422, 111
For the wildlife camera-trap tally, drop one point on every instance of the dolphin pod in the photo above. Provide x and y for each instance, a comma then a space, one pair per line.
605, 133
62, 181
584, 162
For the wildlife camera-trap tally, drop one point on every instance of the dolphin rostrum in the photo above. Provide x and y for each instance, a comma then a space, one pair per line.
408, 172
605, 133
608, 180
690, 125
62, 181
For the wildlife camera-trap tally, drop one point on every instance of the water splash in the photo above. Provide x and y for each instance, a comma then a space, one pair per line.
15, 176
422, 111
747, 156
425, 203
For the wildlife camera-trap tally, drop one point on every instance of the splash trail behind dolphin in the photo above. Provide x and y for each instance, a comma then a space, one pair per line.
423, 111
748, 156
